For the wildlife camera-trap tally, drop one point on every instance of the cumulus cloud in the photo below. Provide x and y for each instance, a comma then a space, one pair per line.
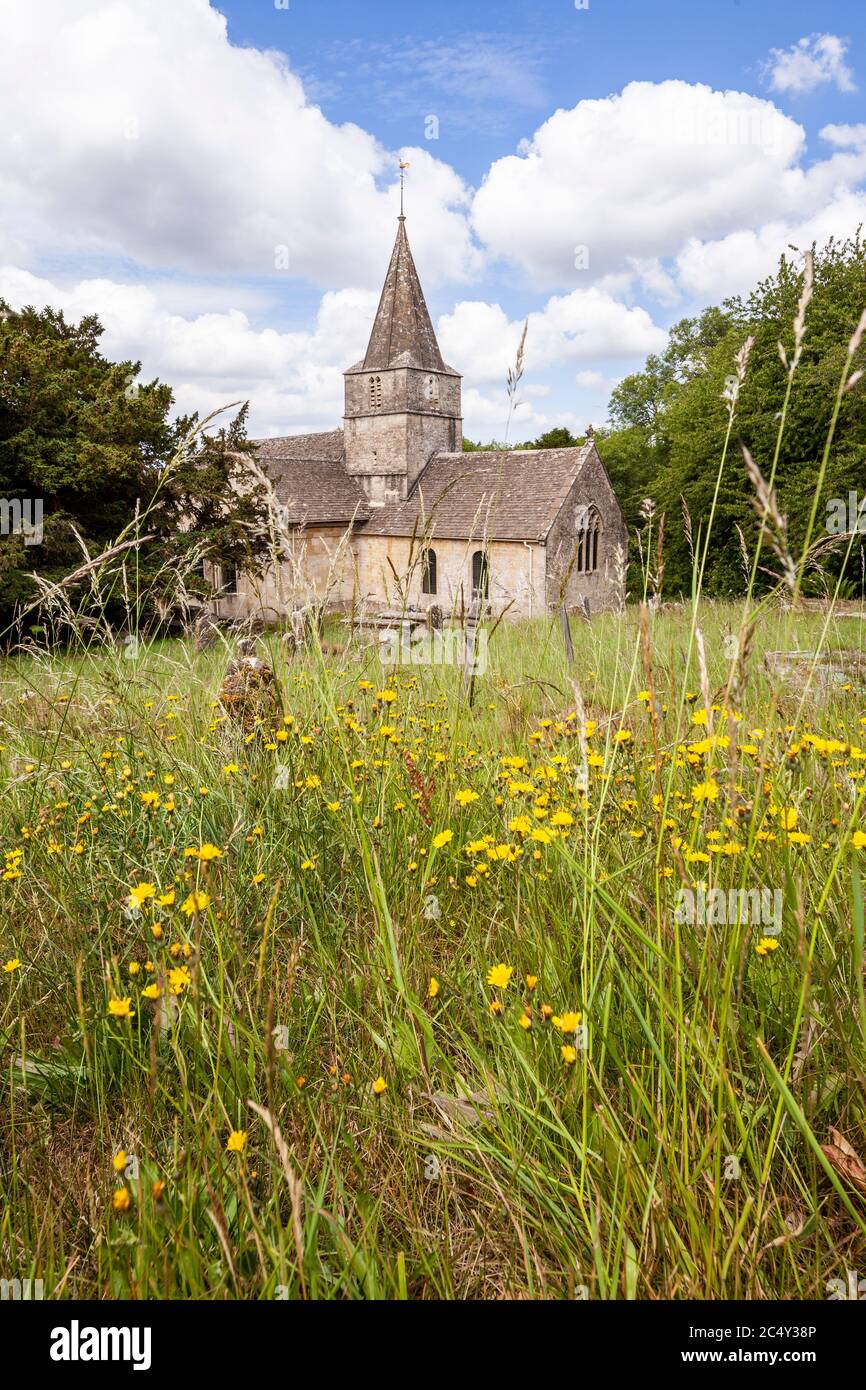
585, 325
711, 270
845, 136
808, 64
144, 133
293, 380
189, 169
620, 185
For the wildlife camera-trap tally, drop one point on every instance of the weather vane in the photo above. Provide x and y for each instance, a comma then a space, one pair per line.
404, 165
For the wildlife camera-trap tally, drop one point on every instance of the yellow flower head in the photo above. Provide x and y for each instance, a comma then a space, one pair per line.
140, 894
433, 988
121, 1199
705, 791
121, 1008
569, 1023
499, 975
442, 838
237, 1141
179, 979
380, 1086
766, 945
118, 1163
196, 902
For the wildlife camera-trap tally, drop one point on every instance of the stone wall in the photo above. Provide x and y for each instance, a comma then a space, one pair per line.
605, 587
517, 572
528, 579
320, 568
388, 445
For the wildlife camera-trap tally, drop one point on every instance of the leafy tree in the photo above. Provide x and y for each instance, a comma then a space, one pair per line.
558, 438
95, 445
669, 421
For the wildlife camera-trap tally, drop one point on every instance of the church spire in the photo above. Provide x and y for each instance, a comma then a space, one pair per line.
403, 333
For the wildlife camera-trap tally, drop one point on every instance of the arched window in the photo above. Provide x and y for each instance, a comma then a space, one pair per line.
480, 575
428, 571
588, 542
431, 390
375, 393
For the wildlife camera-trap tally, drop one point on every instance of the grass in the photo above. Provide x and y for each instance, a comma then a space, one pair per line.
401, 989
681, 1150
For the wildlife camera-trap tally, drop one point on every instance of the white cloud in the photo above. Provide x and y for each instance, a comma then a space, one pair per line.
711, 270
633, 177
151, 147
808, 64
488, 415
845, 136
654, 279
135, 129
585, 325
293, 380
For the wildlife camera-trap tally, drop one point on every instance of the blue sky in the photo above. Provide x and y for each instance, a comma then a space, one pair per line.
218, 182
386, 65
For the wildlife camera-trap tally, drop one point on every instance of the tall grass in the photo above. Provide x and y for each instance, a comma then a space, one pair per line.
403, 1128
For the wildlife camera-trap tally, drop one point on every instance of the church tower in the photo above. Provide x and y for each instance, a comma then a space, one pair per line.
403, 403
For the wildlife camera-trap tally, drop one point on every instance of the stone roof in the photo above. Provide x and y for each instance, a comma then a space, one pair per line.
327, 445
507, 495
403, 334
310, 479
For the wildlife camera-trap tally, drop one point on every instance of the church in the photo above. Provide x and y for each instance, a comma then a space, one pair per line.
390, 513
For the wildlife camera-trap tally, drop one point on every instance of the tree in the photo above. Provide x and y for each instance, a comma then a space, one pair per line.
84, 437
669, 421
558, 438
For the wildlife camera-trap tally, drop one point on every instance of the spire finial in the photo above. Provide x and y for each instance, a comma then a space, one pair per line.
404, 165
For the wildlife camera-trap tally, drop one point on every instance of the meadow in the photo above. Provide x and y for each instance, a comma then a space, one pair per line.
393, 995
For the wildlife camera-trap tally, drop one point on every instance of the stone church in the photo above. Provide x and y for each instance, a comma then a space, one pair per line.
389, 512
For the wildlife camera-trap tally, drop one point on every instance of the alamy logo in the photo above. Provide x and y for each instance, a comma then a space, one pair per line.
76, 1343
846, 518
730, 907
18, 1289
453, 647
22, 517
843, 1290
